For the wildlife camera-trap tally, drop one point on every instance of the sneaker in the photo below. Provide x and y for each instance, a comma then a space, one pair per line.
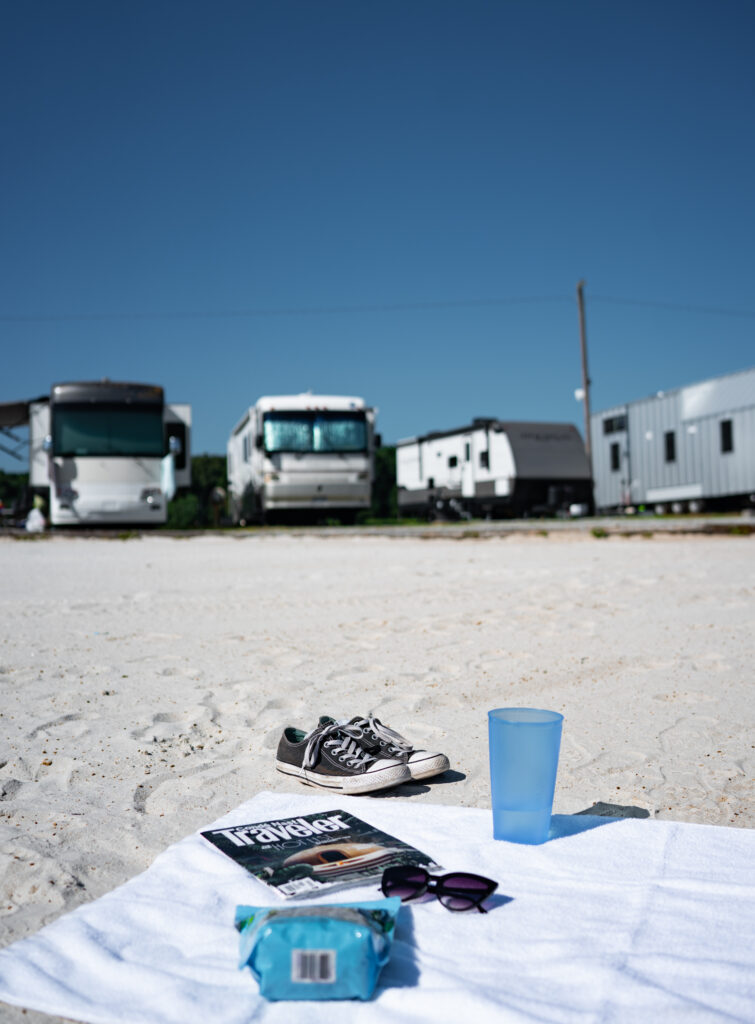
332, 757
381, 741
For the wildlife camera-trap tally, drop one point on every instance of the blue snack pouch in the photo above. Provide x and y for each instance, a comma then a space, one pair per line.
333, 951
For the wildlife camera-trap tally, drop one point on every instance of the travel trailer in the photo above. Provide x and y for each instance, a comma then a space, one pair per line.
105, 452
684, 450
307, 454
494, 468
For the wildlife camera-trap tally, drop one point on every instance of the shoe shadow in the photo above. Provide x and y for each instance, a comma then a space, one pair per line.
404, 790
451, 775
416, 788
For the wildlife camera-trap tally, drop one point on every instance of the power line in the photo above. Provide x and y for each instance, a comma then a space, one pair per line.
385, 307
715, 310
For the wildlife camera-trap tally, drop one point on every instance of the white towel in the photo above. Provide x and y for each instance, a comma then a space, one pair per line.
616, 920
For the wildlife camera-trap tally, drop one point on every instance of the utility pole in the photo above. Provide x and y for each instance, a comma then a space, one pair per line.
585, 374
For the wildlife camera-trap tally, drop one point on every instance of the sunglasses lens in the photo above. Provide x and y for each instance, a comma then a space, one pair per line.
461, 892
453, 902
470, 885
404, 883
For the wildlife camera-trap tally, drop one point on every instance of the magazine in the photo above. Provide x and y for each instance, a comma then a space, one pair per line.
314, 853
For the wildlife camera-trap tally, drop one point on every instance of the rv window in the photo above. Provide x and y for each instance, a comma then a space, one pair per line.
727, 436
125, 430
315, 432
484, 463
614, 424
452, 461
670, 442
467, 452
615, 461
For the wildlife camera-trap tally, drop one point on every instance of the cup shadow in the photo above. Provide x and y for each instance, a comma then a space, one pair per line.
600, 813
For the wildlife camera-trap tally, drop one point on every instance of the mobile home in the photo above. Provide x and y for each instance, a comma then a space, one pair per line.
106, 452
303, 453
494, 468
684, 450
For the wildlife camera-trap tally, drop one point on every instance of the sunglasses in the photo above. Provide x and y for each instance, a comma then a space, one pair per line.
456, 891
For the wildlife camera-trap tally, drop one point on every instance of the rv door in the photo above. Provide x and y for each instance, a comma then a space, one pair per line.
467, 467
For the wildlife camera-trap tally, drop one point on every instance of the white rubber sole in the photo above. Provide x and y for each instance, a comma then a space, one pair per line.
434, 764
354, 785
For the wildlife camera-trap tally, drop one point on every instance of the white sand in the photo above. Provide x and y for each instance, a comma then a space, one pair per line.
144, 683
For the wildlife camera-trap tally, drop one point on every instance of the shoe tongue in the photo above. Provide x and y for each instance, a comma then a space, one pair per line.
367, 741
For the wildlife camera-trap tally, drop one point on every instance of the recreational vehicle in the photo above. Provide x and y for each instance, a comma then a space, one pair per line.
494, 468
684, 450
105, 452
303, 453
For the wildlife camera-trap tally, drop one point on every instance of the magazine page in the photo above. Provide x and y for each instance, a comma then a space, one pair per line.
314, 853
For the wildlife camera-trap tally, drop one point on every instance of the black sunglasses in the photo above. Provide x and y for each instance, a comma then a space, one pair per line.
456, 891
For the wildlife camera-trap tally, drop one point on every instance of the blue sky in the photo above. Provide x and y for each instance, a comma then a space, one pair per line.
393, 199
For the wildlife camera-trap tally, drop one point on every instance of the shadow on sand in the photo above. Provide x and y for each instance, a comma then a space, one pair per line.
416, 788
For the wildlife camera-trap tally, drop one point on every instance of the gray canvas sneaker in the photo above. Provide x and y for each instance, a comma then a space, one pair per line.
332, 757
384, 742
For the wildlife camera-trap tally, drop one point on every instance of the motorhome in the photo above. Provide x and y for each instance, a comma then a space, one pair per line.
307, 454
106, 452
494, 468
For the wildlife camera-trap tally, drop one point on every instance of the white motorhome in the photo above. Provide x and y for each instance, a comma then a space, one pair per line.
494, 468
106, 452
302, 453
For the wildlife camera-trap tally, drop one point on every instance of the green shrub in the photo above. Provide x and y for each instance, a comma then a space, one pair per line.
183, 512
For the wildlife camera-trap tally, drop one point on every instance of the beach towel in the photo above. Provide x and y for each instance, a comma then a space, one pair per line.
611, 920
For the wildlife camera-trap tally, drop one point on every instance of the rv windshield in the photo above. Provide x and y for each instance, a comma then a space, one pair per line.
315, 432
135, 430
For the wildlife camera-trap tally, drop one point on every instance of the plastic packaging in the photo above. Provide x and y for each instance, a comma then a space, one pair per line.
333, 951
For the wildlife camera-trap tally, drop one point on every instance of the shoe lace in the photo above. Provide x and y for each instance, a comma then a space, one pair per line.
390, 737
341, 740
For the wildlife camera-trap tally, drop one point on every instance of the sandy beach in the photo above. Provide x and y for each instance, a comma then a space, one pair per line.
145, 681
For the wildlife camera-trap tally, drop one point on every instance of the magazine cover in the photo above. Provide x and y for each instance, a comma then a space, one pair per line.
314, 853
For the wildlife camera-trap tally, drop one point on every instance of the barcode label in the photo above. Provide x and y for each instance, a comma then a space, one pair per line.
299, 885
313, 965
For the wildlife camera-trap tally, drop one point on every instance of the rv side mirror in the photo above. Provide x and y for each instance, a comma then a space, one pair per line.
378, 440
174, 445
258, 441
47, 444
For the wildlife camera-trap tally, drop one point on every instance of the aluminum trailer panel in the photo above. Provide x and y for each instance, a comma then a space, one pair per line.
684, 448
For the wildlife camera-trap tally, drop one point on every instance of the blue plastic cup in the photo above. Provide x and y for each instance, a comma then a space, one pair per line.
524, 746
